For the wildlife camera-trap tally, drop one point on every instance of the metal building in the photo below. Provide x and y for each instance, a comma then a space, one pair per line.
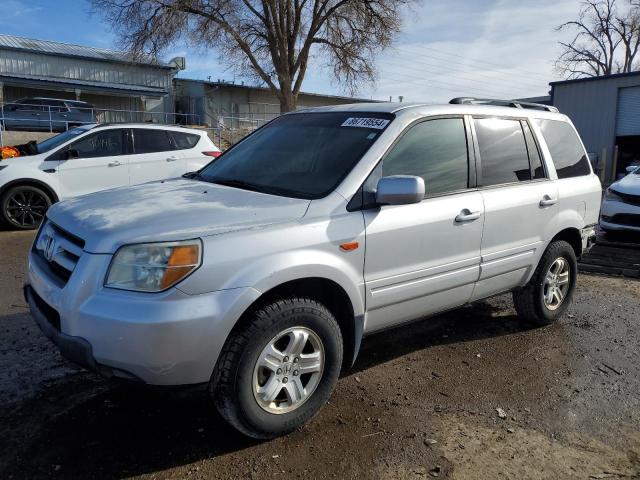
606, 112
238, 105
106, 78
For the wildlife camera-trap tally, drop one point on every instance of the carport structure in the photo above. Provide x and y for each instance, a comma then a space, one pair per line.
108, 79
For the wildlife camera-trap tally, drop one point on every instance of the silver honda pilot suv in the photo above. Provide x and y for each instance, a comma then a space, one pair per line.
260, 274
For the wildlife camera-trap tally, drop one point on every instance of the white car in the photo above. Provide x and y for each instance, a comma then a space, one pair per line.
621, 203
96, 157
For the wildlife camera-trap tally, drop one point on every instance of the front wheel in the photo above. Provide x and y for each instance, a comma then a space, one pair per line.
550, 291
278, 368
23, 206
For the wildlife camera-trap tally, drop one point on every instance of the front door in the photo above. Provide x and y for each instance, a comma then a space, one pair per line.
95, 162
425, 257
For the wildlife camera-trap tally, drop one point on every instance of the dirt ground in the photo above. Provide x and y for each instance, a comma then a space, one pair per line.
423, 401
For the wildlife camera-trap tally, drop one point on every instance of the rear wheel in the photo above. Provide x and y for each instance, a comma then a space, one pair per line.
24, 206
550, 291
277, 370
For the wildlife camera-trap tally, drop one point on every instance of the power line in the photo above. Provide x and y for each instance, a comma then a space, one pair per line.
491, 83
490, 77
447, 56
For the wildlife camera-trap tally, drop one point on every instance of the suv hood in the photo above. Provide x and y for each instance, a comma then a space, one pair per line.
168, 210
629, 184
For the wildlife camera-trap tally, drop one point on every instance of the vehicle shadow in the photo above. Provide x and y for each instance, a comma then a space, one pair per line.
80, 430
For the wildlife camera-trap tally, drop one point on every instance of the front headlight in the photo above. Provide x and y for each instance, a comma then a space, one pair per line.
153, 267
612, 195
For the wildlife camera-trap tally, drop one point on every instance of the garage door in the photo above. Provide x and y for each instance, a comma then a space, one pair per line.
628, 116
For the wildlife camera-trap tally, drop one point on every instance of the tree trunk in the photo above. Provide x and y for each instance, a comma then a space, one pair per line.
287, 102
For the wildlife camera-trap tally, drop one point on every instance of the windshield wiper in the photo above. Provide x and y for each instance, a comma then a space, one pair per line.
228, 182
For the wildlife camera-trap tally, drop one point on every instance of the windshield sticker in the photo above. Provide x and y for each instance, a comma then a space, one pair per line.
377, 123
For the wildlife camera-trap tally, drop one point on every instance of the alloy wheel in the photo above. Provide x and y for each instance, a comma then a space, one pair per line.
556, 283
26, 208
288, 370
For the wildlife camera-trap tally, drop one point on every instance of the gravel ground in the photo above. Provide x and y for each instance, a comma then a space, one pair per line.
423, 401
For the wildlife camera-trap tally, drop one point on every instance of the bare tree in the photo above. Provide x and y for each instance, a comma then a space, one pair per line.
272, 40
606, 41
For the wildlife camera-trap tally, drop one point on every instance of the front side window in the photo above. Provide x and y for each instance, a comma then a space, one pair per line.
147, 140
503, 151
302, 155
106, 143
566, 150
64, 137
435, 150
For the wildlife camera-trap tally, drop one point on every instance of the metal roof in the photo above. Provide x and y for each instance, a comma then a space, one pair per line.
70, 50
266, 89
86, 84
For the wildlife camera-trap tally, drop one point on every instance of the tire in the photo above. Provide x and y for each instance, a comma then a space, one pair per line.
237, 378
35, 201
529, 301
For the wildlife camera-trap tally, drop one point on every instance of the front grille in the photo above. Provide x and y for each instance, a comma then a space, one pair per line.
628, 198
50, 313
628, 219
59, 249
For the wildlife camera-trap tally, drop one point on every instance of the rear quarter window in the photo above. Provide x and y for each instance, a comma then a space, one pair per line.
566, 150
184, 141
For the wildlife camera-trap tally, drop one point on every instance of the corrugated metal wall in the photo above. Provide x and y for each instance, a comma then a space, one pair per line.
628, 116
27, 63
592, 105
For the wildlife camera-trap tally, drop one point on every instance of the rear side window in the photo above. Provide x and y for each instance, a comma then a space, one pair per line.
435, 150
184, 141
537, 170
566, 150
150, 140
503, 151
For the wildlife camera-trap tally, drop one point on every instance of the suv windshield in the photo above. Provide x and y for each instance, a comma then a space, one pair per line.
302, 155
53, 142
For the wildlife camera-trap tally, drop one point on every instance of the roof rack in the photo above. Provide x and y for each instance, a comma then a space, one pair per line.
502, 103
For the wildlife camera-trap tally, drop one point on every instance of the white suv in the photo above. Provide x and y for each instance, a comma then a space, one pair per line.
96, 157
260, 274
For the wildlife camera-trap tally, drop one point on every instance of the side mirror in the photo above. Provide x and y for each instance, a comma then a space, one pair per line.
400, 190
71, 154
632, 168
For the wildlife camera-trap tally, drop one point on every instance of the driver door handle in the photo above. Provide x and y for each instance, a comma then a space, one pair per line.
547, 201
172, 159
467, 215
114, 164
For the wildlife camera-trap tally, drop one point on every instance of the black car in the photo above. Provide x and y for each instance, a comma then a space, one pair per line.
46, 114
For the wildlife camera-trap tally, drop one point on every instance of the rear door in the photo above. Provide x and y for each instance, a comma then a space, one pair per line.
97, 161
56, 114
154, 157
425, 257
519, 199
193, 149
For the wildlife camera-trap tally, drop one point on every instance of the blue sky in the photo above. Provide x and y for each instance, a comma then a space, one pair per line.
497, 48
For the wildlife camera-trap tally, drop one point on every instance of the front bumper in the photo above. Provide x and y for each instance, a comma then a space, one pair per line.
616, 215
169, 338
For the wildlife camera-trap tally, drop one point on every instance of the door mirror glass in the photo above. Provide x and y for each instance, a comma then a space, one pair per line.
400, 190
71, 154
